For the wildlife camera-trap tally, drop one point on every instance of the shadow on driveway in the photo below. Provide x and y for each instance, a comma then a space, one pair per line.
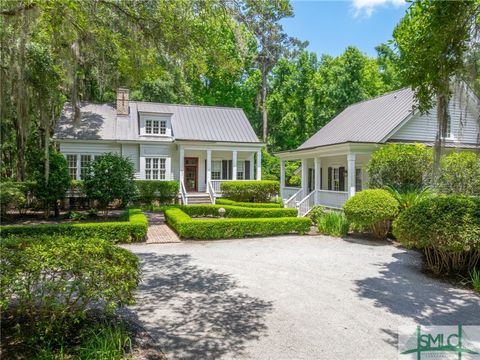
196, 312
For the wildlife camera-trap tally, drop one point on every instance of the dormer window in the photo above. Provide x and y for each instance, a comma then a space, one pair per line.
155, 127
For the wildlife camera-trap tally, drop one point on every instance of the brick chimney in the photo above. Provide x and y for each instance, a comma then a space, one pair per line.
122, 101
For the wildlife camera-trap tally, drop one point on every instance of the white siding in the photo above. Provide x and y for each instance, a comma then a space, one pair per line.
88, 148
423, 128
132, 151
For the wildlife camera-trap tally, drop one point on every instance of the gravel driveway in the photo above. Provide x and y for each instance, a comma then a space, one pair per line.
290, 297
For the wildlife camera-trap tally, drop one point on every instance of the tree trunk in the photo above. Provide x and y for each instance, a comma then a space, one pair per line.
264, 103
442, 124
75, 96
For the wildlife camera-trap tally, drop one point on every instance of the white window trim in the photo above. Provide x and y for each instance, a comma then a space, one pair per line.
212, 169
362, 182
78, 170
168, 174
158, 126
241, 165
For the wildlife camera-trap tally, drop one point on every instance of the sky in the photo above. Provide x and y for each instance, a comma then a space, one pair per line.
331, 26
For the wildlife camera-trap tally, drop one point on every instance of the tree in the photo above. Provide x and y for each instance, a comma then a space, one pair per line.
52, 188
432, 40
108, 178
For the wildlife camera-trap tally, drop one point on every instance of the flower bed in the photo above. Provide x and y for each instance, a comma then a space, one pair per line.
133, 229
189, 228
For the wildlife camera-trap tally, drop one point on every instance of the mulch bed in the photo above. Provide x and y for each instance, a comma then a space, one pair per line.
36, 218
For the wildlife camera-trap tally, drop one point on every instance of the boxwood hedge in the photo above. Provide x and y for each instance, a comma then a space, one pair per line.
250, 191
237, 211
133, 229
164, 192
223, 201
189, 228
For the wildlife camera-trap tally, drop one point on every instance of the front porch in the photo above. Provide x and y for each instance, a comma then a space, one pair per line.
202, 170
329, 176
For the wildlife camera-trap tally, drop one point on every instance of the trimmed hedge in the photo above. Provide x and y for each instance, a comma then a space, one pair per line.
237, 211
189, 228
162, 191
223, 201
133, 229
250, 191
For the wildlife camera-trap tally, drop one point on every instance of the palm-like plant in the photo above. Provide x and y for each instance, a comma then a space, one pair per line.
408, 197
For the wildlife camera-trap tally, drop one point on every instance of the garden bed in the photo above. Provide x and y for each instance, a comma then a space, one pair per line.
36, 218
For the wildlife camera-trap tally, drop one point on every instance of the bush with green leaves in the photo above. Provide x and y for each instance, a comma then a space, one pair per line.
372, 209
49, 282
108, 178
200, 229
315, 213
333, 223
250, 191
133, 228
408, 197
400, 166
446, 228
163, 192
460, 174
224, 201
50, 190
203, 210
11, 196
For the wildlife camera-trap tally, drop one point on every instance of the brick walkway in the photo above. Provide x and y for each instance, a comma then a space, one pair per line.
158, 231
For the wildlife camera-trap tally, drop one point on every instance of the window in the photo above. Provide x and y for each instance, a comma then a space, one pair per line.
336, 179
447, 132
358, 179
84, 161
216, 170
72, 166
155, 168
155, 127
240, 170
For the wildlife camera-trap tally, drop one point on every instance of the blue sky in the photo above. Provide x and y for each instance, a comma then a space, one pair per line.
331, 26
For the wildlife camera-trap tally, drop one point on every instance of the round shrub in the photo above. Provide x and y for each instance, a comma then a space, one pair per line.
447, 228
12, 196
372, 209
400, 166
460, 174
48, 282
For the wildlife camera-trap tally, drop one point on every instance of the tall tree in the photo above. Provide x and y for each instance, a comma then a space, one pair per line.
432, 40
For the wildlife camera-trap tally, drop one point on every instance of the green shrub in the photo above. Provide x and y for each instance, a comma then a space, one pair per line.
475, 279
409, 197
48, 282
250, 191
110, 177
237, 211
372, 209
400, 166
315, 213
133, 229
447, 228
223, 201
148, 191
460, 174
333, 223
11, 196
190, 228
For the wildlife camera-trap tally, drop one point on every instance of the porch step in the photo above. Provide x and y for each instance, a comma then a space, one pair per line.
201, 198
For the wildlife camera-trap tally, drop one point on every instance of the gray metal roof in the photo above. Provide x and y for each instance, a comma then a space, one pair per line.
368, 121
189, 122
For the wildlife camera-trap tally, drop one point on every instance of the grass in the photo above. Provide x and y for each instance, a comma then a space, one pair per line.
333, 223
475, 279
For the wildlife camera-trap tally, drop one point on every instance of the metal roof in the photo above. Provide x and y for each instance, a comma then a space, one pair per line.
189, 122
368, 121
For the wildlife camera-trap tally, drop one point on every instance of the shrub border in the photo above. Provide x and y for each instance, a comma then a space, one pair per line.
134, 229
231, 211
223, 201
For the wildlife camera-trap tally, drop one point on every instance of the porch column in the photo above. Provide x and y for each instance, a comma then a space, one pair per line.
351, 174
282, 176
318, 184
209, 165
305, 176
252, 167
259, 165
234, 165
181, 162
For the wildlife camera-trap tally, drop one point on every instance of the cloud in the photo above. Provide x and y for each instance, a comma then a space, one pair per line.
367, 7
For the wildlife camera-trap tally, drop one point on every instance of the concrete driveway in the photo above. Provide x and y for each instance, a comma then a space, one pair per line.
290, 297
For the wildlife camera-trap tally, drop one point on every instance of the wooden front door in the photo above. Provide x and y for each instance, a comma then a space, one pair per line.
191, 174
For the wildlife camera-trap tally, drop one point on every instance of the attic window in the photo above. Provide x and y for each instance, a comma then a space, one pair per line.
155, 127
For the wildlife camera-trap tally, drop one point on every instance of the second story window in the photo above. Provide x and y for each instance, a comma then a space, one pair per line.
155, 127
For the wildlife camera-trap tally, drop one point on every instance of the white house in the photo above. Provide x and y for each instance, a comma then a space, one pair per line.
200, 146
334, 159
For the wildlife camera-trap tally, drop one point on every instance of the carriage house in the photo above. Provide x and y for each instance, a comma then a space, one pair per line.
333, 161
200, 146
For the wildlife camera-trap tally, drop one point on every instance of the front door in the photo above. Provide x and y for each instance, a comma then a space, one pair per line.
191, 174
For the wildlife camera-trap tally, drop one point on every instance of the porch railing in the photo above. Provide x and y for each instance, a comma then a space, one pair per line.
293, 200
183, 193
288, 191
306, 204
211, 192
332, 199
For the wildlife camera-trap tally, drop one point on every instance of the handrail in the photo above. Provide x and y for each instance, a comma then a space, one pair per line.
293, 199
183, 193
306, 204
211, 191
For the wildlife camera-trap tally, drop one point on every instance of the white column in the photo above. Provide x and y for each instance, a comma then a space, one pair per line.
234, 165
351, 174
209, 165
304, 176
259, 165
181, 162
252, 167
318, 185
282, 177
